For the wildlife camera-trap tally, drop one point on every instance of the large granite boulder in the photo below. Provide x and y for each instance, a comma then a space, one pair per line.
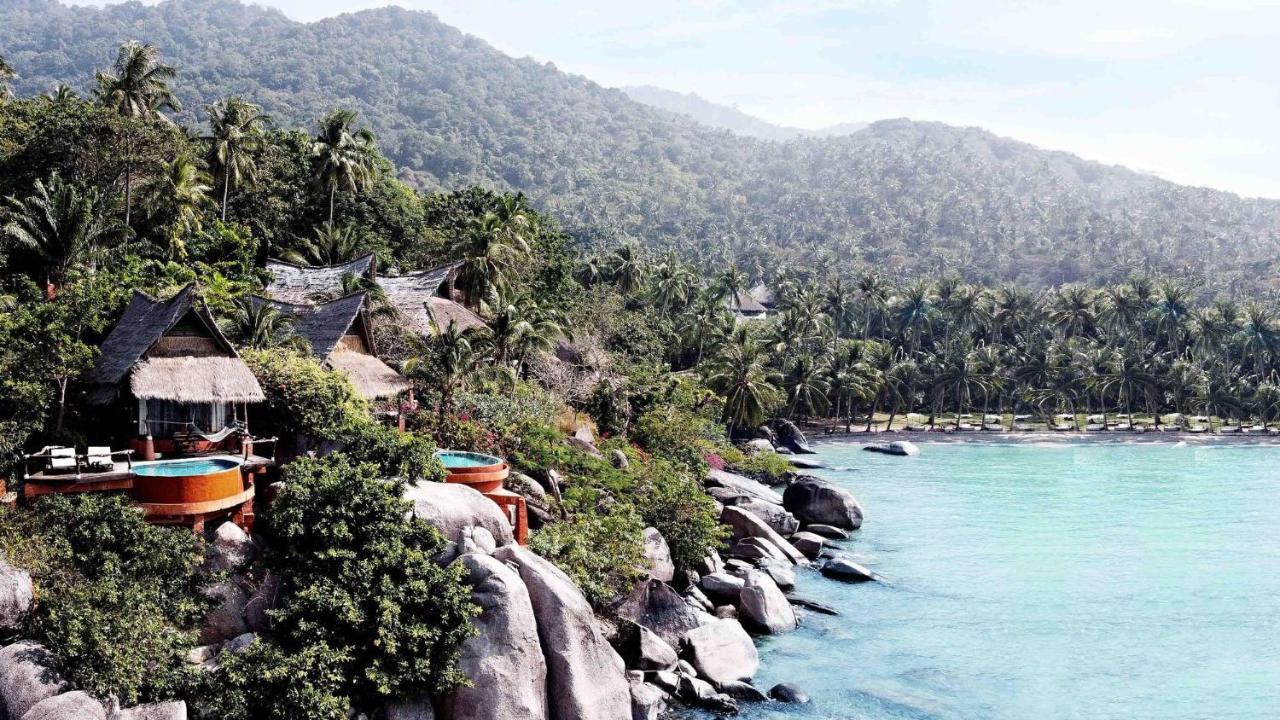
27, 676
411, 710
452, 508
775, 516
814, 500
75, 705
658, 556
763, 607
722, 652
226, 620
657, 606
231, 548
743, 485
721, 586
841, 568
265, 597
754, 548
744, 524
16, 594
791, 437
504, 659
648, 702
642, 649
586, 679
171, 710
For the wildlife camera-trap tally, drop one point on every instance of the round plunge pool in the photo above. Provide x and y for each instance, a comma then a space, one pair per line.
482, 472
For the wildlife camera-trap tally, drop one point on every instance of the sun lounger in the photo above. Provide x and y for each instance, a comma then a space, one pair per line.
61, 459
1229, 429
99, 458
1095, 427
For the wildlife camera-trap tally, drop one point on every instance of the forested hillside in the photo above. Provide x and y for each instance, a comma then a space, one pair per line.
450, 110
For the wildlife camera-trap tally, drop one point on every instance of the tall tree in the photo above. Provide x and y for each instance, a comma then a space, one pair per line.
180, 197
61, 225
344, 156
137, 87
235, 132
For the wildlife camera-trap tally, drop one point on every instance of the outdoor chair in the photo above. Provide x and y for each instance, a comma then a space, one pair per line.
99, 459
61, 459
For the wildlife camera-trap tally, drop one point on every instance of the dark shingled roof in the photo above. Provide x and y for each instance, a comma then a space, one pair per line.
416, 297
145, 321
299, 284
322, 326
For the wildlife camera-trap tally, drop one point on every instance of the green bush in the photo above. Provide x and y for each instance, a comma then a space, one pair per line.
765, 465
602, 552
267, 683
120, 599
673, 502
357, 577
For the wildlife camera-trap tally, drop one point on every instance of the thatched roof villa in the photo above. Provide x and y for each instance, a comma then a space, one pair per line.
424, 300
744, 305
172, 372
301, 284
340, 334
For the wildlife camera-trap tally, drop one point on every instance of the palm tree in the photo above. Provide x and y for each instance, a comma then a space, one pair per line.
235, 132
180, 196
873, 295
749, 387
344, 157
672, 285
61, 225
138, 87
626, 267
916, 312
492, 246
1072, 311
731, 284
448, 367
805, 385
7, 76
960, 377
1171, 312
63, 94
1259, 337
258, 325
332, 245
1128, 376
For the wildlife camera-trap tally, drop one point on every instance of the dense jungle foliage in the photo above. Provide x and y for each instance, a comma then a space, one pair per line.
450, 111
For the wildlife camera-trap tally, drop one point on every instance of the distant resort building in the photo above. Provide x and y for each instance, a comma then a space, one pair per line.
744, 306
764, 295
175, 377
340, 335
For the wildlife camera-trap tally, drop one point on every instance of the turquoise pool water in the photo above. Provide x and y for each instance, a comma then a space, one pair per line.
460, 459
183, 468
1101, 582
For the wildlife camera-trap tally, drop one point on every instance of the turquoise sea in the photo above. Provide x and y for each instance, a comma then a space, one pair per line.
1097, 581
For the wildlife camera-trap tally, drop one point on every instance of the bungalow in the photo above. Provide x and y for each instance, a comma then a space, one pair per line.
339, 333
425, 300
301, 284
744, 306
764, 295
174, 378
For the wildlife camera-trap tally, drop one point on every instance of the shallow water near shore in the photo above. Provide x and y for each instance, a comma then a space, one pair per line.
1068, 581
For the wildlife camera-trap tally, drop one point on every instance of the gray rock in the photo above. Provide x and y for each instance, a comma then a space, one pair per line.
847, 570
700, 692
265, 597
74, 705
642, 649
775, 516
728, 496
813, 605
722, 652
721, 586
619, 459
585, 677
790, 436
415, 710
648, 702
452, 507
239, 643
697, 598
754, 548
759, 445
827, 531
16, 595
804, 462
232, 549
814, 500
763, 607
526, 486
27, 676
745, 524
657, 606
476, 539
504, 660
726, 611
788, 693
227, 618
743, 485
201, 654
658, 556
668, 680
737, 566
171, 710
783, 575
743, 691
585, 446
809, 543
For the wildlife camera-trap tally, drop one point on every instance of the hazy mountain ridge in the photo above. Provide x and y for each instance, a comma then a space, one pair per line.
451, 110
727, 117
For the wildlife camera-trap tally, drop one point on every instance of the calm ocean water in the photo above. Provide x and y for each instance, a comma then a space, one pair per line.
1038, 583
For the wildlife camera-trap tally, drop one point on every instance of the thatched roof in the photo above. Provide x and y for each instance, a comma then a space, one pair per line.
443, 312
301, 283
143, 329
195, 380
322, 326
764, 295
745, 305
419, 300
371, 377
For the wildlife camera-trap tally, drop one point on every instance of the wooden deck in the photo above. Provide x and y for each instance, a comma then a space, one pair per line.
119, 477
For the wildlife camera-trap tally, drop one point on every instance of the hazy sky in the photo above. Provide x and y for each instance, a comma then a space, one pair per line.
1183, 88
